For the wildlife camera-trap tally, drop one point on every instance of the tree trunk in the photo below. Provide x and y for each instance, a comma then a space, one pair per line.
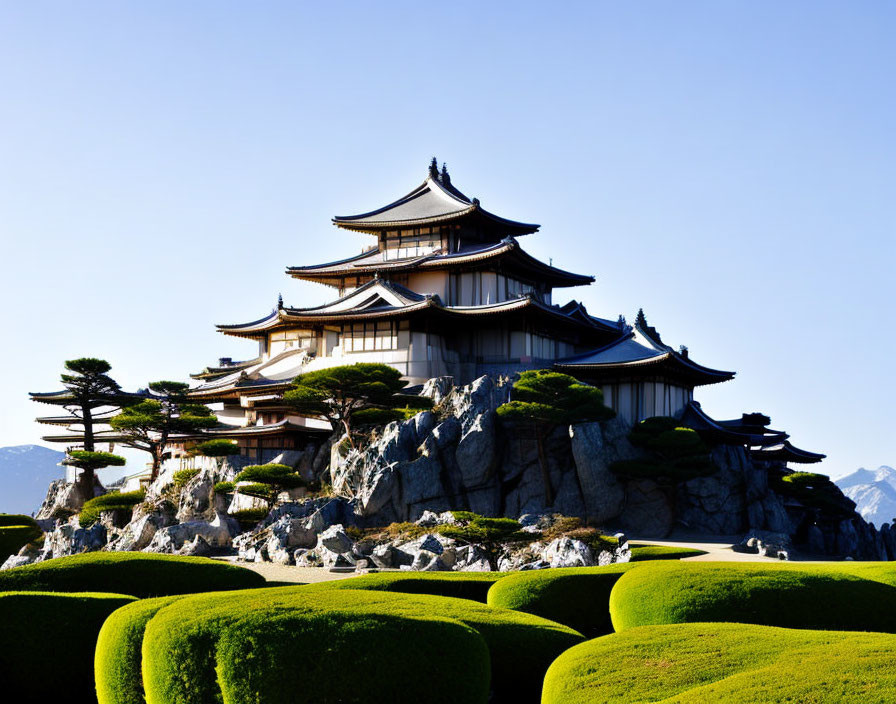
543, 463
86, 479
156, 463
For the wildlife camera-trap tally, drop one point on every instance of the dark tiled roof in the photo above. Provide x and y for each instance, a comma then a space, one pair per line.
433, 201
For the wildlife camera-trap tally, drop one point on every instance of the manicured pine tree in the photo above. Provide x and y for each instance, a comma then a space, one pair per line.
338, 394
546, 399
149, 424
88, 387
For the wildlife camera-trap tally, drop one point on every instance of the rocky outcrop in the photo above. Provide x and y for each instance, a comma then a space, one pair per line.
66, 499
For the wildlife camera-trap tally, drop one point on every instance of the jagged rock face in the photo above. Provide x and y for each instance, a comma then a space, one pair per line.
197, 497
716, 504
64, 499
218, 533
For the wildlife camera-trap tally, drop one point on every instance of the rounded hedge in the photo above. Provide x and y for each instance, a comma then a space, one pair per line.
113, 501
47, 643
136, 573
577, 597
14, 538
725, 662
461, 585
835, 597
16, 519
640, 553
238, 642
118, 658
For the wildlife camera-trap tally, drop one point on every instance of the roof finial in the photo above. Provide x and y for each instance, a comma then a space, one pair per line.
641, 319
279, 301
445, 178
434, 168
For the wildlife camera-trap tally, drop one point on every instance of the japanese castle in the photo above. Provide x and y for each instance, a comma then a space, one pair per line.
446, 290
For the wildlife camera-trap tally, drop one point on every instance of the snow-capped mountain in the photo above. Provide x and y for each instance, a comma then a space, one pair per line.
874, 492
25, 473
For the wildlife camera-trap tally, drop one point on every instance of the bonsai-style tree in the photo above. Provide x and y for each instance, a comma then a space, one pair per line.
678, 454
339, 393
488, 534
268, 480
88, 387
149, 424
217, 448
545, 399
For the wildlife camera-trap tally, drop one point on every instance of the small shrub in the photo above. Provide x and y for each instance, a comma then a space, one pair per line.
217, 448
90, 512
69, 624
406, 530
815, 491
256, 489
250, 517
224, 487
679, 453
488, 534
135, 573
182, 477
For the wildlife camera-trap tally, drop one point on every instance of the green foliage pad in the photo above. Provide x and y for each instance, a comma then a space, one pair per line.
138, 574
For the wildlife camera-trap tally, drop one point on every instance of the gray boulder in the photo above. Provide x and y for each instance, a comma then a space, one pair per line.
335, 540
566, 552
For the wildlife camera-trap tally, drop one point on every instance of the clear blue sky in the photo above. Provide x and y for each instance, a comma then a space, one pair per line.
727, 166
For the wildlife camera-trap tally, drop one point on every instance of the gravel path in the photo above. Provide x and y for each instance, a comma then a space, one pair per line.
288, 573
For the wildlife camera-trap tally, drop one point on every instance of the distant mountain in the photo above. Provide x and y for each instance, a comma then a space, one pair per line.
25, 473
874, 493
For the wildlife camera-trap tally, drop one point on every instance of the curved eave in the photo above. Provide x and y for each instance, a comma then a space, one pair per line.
787, 452
236, 390
668, 363
272, 429
474, 211
694, 417
331, 274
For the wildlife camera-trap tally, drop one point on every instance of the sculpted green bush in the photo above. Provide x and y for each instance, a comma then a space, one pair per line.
16, 519
578, 597
135, 573
725, 662
462, 585
14, 537
90, 512
640, 553
217, 448
238, 642
47, 643
842, 596
118, 656
182, 477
